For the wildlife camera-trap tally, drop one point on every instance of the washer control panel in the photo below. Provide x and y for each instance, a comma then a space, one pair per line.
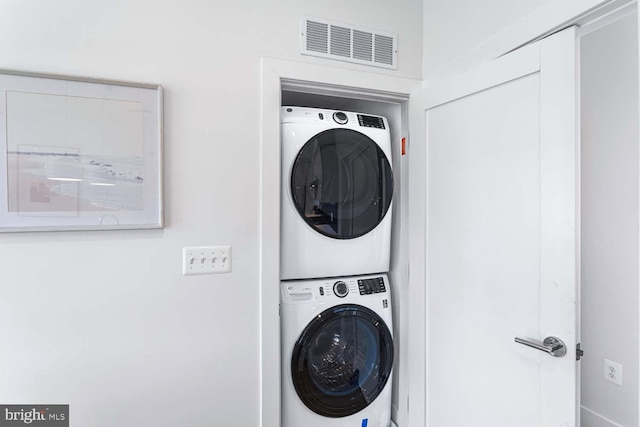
342, 288
374, 285
334, 288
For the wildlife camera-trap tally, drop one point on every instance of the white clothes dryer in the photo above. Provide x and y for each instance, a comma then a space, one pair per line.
337, 352
337, 189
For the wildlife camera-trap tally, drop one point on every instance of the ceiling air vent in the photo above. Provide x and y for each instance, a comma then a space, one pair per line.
345, 42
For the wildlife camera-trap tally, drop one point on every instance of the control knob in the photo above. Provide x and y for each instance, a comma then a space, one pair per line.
340, 118
340, 289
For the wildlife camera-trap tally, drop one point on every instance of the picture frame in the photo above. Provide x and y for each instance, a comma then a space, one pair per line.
79, 154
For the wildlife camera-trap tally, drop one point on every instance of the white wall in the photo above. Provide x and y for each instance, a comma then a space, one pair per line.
459, 35
105, 321
610, 263
453, 28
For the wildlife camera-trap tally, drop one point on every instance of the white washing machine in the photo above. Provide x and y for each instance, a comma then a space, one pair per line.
337, 188
337, 352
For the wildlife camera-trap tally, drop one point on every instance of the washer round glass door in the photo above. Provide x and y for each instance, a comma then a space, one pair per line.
342, 183
342, 360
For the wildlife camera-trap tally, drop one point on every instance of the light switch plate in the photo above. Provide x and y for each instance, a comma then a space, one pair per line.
206, 260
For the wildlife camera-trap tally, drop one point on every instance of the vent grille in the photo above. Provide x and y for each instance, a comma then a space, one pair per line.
384, 49
363, 45
347, 43
340, 41
317, 37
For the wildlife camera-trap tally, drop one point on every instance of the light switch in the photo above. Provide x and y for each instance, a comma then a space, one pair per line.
206, 260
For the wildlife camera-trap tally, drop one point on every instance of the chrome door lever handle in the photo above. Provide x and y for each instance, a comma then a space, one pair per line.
552, 345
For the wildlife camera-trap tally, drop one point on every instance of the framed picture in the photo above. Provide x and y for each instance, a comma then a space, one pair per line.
79, 154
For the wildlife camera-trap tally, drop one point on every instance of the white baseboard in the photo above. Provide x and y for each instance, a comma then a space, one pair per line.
589, 418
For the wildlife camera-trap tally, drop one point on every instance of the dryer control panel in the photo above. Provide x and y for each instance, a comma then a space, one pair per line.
371, 121
347, 119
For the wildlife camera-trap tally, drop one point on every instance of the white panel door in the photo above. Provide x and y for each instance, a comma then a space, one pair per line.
501, 216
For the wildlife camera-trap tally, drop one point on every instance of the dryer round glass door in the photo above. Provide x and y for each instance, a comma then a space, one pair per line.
342, 183
342, 360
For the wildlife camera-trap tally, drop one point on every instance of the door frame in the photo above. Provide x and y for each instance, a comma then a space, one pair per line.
278, 75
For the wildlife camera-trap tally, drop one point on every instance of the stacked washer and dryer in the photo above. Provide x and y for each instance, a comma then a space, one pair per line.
336, 324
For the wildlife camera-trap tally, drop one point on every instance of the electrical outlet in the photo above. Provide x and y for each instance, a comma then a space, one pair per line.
612, 371
206, 260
